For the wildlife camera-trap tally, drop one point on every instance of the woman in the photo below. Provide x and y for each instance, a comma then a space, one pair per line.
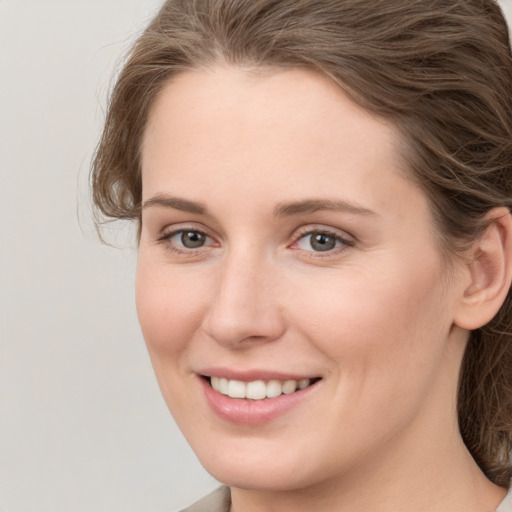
323, 193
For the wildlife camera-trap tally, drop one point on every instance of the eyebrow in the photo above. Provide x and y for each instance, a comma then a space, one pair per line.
177, 203
281, 210
315, 205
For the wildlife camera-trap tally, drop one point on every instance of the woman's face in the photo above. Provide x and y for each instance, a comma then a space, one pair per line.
282, 246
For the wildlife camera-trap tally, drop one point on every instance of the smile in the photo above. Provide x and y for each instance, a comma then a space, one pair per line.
259, 398
258, 389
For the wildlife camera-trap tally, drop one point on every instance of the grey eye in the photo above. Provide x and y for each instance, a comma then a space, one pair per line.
192, 239
322, 242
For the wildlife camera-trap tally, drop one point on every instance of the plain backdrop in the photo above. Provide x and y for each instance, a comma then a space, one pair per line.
82, 425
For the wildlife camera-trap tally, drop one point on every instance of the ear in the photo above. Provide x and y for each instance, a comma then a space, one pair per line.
489, 272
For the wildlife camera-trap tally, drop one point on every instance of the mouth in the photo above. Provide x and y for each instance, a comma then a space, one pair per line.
254, 398
258, 389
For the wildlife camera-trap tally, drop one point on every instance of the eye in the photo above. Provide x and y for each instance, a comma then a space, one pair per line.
189, 239
185, 240
321, 241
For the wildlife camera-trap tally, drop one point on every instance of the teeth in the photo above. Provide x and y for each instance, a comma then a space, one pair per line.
274, 388
290, 386
258, 389
304, 383
223, 386
236, 389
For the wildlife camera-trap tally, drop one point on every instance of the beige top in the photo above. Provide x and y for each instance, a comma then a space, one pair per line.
220, 501
217, 501
505, 505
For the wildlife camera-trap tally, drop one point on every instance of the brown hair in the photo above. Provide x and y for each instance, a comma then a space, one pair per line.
439, 70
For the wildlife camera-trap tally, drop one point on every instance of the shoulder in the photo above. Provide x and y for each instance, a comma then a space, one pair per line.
217, 501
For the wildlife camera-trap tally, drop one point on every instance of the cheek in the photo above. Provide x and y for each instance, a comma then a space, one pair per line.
385, 340
376, 326
169, 308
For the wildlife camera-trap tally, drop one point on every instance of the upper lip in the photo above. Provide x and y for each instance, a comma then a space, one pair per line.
253, 374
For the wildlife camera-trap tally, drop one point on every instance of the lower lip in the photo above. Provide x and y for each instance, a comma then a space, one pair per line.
252, 412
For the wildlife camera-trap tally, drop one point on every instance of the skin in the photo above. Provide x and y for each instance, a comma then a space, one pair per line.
375, 317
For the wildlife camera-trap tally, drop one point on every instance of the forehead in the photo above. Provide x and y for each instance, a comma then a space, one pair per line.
269, 131
254, 101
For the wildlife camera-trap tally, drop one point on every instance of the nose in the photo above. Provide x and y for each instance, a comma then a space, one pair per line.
245, 305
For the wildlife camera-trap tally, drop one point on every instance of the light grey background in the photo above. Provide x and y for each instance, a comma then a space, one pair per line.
82, 425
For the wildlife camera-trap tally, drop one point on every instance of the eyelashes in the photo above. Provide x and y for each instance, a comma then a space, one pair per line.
186, 240
312, 242
321, 241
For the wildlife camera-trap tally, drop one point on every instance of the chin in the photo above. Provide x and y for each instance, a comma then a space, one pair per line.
255, 478
262, 468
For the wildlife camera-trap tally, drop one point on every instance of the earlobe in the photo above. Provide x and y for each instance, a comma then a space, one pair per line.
489, 272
